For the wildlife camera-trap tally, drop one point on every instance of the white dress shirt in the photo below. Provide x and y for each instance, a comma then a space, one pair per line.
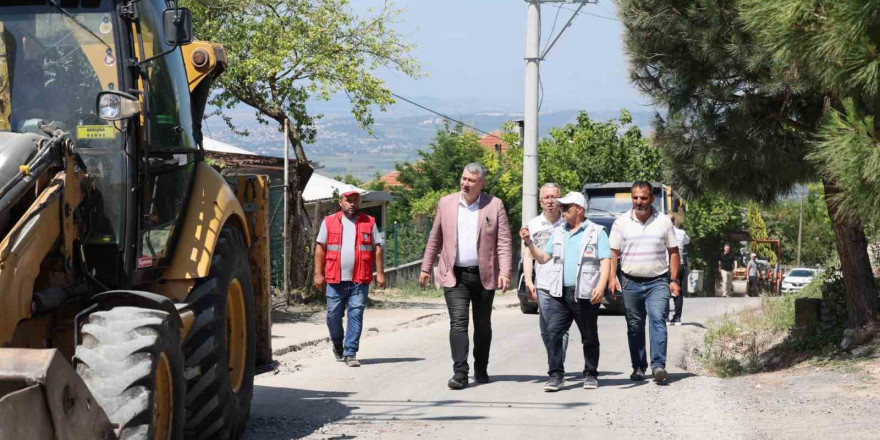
468, 229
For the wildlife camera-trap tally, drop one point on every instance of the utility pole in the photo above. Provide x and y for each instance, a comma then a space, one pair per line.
800, 229
530, 120
285, 230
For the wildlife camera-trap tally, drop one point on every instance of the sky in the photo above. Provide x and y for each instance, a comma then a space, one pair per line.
473, 50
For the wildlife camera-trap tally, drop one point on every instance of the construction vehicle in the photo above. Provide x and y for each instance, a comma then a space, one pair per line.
607, 201
134, 279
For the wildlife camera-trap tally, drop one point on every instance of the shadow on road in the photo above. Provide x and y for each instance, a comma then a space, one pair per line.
377, 361
287, 413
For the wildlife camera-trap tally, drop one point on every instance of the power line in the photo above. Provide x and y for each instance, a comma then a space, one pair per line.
441, 114
585, 13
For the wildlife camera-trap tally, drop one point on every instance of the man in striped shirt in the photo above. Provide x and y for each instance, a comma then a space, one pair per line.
640, 241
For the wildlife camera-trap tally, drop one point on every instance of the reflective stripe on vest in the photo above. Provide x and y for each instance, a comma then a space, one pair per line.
362, 272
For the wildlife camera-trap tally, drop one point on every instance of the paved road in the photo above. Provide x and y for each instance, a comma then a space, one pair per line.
400, 391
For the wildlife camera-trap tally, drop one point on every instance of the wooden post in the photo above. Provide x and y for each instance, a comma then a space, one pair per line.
286, 224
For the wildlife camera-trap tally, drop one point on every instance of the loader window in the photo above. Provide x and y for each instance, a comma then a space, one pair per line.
170, 117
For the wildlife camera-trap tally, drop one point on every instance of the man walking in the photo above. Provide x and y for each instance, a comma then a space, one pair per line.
726, 265
541, 229
472, 239
752, 268
640, 240
575, 283
683, 241
348, 247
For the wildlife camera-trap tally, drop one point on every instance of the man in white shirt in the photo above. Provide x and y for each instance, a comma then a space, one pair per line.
471, 243
541, 228
683, 240
640, 241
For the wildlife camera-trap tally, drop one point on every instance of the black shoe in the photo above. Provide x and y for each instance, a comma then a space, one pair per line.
351, 361
337, 353
660, 375
591, 382
458, 381
637, 375
675, 322
481, 377
554, 384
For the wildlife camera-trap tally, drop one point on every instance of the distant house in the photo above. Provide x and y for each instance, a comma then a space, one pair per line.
493, 141
390, 179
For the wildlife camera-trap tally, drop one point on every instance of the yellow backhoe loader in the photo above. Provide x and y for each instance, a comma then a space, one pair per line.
134, 278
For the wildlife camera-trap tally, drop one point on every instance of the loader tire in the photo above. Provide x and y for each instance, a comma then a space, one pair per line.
219, 349
131, 361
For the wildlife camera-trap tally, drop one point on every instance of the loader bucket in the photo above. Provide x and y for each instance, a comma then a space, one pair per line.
42, 397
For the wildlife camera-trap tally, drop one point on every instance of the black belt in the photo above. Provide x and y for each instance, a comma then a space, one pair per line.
468, 269
645, 279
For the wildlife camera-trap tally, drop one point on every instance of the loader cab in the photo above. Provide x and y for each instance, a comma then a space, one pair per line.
55, 60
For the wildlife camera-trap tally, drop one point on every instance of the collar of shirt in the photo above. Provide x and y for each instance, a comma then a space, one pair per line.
557, 222
462, 202
579, 229
635, 218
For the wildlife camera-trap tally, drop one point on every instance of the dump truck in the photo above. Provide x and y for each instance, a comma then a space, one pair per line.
134, 278
607, 201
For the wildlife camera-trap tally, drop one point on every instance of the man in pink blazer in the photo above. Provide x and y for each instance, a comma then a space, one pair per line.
472, 239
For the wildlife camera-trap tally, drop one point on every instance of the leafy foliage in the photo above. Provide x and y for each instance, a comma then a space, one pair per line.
836, 44
758, 230
737, 122
284, 52
589, 151
817, 244
708, 221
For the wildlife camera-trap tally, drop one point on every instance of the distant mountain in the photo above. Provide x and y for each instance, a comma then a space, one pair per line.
343, 147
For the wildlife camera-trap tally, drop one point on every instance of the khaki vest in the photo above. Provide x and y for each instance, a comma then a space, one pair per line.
588, 268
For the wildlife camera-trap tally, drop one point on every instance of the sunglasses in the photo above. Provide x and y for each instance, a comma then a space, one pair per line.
566, 206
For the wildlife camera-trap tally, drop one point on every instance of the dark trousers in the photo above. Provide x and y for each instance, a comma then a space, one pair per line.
560, 313
469, 289
753, 290
679, 300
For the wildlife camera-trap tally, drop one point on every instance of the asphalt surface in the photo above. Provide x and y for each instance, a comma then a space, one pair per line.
400, 390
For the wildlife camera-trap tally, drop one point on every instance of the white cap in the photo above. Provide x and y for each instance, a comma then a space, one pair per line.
573, 198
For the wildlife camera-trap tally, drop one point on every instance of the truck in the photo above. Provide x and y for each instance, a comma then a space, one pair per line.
134, 278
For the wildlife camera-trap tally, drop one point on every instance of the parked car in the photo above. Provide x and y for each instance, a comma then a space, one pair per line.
797, 279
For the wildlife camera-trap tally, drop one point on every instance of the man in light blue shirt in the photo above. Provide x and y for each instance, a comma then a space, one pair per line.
576, 281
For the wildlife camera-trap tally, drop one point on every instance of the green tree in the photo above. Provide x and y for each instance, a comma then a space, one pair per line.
283, 53
709, 221
589, 151
757, 231
835, 43
739, 119
817, 244
350, 180
437, 171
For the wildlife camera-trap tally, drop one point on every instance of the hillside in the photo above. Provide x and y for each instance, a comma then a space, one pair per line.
342, 147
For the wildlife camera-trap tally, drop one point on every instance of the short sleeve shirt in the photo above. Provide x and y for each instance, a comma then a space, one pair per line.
753, 268
727, 261
572, 245
349, 233
542, 230
643, 246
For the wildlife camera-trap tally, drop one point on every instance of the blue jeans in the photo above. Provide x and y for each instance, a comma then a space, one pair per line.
641, 297
342, 296
543, 298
